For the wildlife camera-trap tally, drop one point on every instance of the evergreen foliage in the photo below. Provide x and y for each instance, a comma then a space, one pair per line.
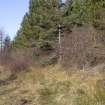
80, 12
39, 25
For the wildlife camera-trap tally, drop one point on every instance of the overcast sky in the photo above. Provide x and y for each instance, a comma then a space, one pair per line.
11, 14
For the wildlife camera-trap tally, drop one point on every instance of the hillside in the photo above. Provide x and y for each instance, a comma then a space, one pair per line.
57, 56
52, 86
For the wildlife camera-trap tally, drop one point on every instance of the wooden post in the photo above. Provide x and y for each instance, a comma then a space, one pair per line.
60, 45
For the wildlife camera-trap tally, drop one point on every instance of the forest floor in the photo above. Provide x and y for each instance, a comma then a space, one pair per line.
52, 86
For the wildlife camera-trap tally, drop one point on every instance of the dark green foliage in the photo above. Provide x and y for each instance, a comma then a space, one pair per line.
39, 25
38, 28
80, 12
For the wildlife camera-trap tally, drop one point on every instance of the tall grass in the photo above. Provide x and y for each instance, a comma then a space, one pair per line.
53, 86
56, 87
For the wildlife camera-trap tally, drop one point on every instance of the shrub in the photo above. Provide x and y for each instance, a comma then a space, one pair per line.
17, 60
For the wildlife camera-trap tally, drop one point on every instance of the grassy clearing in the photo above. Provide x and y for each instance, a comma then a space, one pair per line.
53, 86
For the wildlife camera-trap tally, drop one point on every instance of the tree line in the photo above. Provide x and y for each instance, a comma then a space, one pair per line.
39, 27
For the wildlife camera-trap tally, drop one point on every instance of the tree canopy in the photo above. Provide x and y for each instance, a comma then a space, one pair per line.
39, 25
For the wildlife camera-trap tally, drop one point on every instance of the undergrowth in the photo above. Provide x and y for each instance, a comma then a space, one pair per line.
53, 86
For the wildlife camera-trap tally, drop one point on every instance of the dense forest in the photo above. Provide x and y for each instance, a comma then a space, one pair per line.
39, 30
39, 25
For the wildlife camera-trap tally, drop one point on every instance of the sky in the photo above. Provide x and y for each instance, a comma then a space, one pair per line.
11, 14
63, 0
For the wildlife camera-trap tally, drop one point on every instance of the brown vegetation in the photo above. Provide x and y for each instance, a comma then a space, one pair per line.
82, 48
53, 86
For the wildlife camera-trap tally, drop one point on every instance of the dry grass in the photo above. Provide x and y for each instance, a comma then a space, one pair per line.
53, 86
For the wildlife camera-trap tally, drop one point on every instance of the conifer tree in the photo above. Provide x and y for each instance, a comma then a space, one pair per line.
39, 25
79, 12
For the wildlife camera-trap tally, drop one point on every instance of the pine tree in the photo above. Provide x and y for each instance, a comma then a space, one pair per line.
39, 25
79, 12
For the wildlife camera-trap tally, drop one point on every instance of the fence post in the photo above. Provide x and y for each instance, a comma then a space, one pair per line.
60, 44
